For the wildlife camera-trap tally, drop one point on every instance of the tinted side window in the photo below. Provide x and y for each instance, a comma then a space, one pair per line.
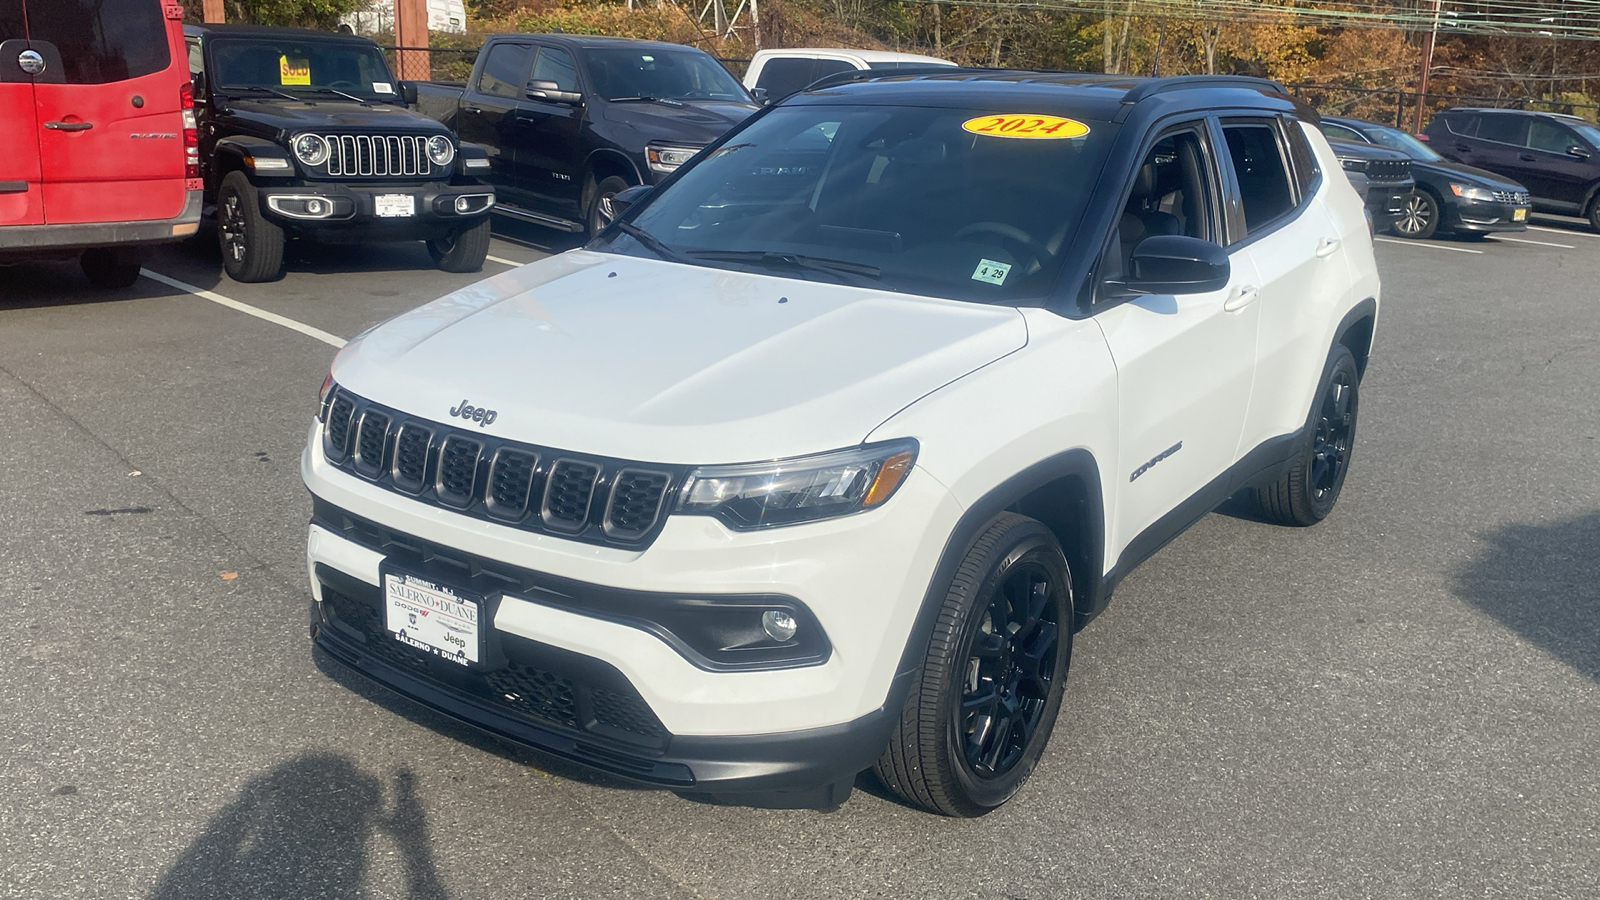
1466, 126
556, 65
1550, 137
1504, 129
1306, 169
826, 67
11, 20
782, 77
1261, 171
101, 41
505, 70
1341, 133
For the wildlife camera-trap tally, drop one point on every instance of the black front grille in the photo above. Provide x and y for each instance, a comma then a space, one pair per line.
593, 499
1389, 169
524, 679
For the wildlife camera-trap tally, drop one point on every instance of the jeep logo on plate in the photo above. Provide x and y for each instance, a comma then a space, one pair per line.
31, 62
474, 413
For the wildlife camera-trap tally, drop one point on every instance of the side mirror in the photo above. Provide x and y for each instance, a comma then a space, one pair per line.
1577, 152
761, 95
550, 93
628, 197
1174, 264
198, 80
408, 93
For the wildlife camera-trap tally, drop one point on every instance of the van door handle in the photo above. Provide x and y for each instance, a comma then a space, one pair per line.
69, 126
1241, 298
1327, 247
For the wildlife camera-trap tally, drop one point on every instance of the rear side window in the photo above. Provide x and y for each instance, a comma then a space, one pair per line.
556, 66
505, 70
1306, 170
782, 77
1466, 126
11, 24
1262, 173
102, 41
1503, 129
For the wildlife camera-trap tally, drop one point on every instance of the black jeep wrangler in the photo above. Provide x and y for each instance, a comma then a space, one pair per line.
305, 134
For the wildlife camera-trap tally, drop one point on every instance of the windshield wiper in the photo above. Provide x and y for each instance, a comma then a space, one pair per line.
329, 90
791, 260
644, 99
650, 241
265, 90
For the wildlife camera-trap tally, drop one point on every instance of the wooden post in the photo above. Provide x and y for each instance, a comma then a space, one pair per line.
411, 30
213, 12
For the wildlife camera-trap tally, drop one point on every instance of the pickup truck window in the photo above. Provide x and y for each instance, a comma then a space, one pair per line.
313, 66
901, 199
556, 65
505, 70
656, 74
783, 76
103, 42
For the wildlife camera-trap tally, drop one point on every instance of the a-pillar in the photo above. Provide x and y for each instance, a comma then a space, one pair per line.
411, 30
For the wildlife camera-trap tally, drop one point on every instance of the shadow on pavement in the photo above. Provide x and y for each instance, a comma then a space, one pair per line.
1543, 582
304, 830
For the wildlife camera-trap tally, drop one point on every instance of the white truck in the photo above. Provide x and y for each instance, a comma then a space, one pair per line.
779, 73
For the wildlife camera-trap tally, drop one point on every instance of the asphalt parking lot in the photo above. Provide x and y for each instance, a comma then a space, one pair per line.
1401, 702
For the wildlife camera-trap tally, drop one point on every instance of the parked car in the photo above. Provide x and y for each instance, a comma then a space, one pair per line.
304, 136
1556, 156
871, 419
1449, 196
775, 74
1381, 175
570, 121
99, 161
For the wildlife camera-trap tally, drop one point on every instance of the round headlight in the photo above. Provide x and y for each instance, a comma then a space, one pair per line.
310, 149
440, 150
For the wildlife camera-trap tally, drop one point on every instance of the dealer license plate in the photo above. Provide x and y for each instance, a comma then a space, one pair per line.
1519, 215
431, 617
395, 206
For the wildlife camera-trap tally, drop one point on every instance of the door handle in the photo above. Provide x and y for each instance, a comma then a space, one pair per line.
1327, 247
472, 109
1241, 298
1463, 148
1526, 157
69, 126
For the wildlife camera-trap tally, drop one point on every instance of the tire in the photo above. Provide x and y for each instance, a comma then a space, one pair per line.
252, 247
1306, 493
463, 251
1420, 217
946, 755
599, 214
111, 267
1594, 212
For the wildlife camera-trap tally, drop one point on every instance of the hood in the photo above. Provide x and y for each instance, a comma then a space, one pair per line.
1357, 150
333, 115
685, 121
1465, 173
659, 362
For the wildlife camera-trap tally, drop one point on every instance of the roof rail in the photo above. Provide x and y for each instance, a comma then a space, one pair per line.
1179, 82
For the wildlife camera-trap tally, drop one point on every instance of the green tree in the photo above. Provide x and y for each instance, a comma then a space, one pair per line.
304, 13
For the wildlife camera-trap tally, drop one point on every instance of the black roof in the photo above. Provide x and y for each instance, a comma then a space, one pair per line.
1096, 95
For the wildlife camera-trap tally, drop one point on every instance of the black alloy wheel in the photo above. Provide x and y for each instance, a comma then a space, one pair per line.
1419, 218
252, 247
601, 210
1306, 493
993, 674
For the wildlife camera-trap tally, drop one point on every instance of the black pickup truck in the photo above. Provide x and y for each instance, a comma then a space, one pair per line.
571, 120
305, 134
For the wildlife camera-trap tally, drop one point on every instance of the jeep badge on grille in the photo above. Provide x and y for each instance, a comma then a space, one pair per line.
474, 413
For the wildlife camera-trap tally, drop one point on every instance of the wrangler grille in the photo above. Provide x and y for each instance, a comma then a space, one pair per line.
597, 500
378, 155
1514, 198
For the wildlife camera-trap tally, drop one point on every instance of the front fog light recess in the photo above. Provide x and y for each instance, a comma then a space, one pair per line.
317, 207
779, 625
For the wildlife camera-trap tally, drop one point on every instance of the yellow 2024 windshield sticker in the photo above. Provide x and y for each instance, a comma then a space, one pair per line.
1026, 125
294, 71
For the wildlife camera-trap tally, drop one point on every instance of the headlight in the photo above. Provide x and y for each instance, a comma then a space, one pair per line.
325, 396
665, 158
763, 495
1354, 165
440, 150
310, 149
1469, 192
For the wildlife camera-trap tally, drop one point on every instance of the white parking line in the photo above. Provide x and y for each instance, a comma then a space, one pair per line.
1384, 240
1563, 231
246, 308
1501, 237
504, 262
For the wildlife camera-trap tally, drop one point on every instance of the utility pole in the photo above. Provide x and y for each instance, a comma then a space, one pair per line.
1427, 67
411, 30
213, 12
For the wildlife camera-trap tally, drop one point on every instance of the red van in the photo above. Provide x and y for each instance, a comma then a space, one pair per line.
100, 157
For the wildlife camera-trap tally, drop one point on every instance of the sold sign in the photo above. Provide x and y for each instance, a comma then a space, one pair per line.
1026, 126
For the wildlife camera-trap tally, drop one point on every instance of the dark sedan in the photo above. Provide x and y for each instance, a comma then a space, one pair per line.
1449, 196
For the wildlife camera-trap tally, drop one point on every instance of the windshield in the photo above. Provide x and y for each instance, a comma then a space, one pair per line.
1395, 139
655, 74
912, 199
301, 67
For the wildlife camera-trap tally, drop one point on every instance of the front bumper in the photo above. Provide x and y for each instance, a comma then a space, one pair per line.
1485, 217
343, 213
1387, 202
20, 241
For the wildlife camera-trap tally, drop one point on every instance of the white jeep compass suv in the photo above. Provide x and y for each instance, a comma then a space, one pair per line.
816, 460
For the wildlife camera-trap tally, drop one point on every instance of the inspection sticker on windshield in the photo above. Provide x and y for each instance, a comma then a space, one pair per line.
1026, 125
992, 272
382, 87
294, 71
